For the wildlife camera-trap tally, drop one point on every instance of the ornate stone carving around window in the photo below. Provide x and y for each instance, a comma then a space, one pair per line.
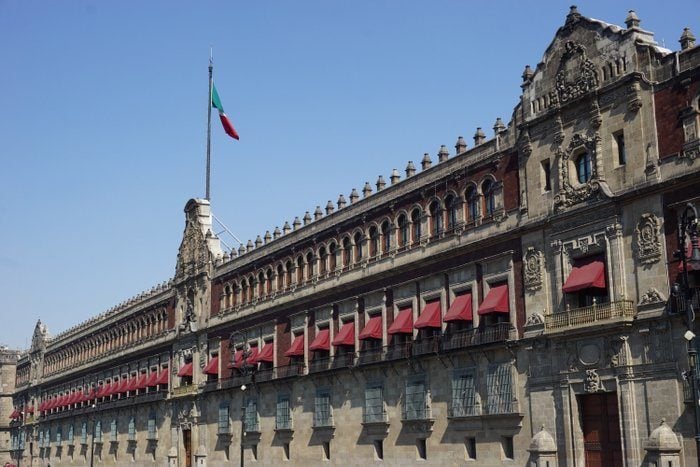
533, 269
576, 75
648, 232
592, 382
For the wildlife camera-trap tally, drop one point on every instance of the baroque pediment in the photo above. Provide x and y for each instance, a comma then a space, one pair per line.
199, 246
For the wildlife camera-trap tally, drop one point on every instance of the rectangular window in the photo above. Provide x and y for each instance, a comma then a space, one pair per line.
422, 448
152, 433
224, 426
21, 439
41, 439
98, 431
507, 443
470, 445
463, 394
47, 437
379, 449
83, 433
132, 429
113, 430
374, 404
499, 388
251, 415
322, 409
59, 436
546, 176
70, 434
619, 147
415, 406
282, 417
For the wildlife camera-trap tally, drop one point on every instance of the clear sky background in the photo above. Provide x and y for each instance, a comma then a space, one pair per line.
103, 120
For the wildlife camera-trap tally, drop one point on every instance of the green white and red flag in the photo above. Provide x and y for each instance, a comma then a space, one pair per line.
216, 103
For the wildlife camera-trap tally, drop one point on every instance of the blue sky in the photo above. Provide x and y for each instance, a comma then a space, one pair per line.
103, 121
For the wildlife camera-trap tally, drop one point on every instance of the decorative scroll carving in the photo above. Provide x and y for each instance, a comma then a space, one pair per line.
648, 232
652, 296
592, 382
535, 319
576, 75
193, 254
533, 269
617, 351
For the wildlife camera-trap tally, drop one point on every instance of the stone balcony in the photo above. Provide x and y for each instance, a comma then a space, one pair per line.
622, 311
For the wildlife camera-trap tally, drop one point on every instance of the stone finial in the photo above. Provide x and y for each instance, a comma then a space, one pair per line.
367, 190
258, 241
341, 202
662, 439
443, 154
277, 233
267, 237
395, 177
460, 146
527, 74
226, 256
479, 136
318, 213
249, 246
286, 229
542, 442
499, 127
687, 39
296, 223
426, 162
380, 183
632, 20
354, 196
410, 169
329, 207
307, 218
234, 253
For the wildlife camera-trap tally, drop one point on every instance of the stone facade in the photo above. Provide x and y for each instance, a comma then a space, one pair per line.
507, 305
8, 360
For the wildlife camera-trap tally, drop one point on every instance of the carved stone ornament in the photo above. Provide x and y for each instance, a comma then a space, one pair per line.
533, 269
691, 150
652, 296
648, 233
617, 351
535, 319
193, 254
592, 382
576, 74
525, 144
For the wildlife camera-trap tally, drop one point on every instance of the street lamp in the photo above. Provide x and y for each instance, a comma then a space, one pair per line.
244, 372
688, 226
92, 441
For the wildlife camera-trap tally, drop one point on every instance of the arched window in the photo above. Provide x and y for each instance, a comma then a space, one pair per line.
358, 247
244, 291
227, 296
288, 274
403, 231
331, 257
583, 167
346, 252
261, 285
415, 226
373, 241
435, 219
451, 207
280, 278
472, 204
386, 237
310, 260
323, 258
268, 282
489, 197
251, 288
300, 270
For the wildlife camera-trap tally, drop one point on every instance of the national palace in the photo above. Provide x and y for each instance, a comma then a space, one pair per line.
518, 300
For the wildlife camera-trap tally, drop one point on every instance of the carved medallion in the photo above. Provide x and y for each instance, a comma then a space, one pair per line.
576, 74
533, 269
648, 232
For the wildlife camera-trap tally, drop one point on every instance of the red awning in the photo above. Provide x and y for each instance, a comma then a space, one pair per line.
29, 409
62, 401
346, 335
297, 348
403, 324
42, 404
237, 359
461, 309
151, 380
253, 357
266, 354
186, 370
92, 394
131, 385
496, 301
141, 381
100, 390
429, 317
586, 274
322, 340
212, 367
163, 377
123, 385
14, 414
372, 329
113, 388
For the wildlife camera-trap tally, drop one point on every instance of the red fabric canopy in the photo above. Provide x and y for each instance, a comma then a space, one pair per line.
461, 309
29, 409
92, 394
403, 324
141, 381
101, 390
42, 404
238, 358
496, 301
163, 377
372, 329
14, 414
212, 368
429, 317
346, 335
322, 340
266, 354
113, 388
186, 370
297, 348
586, 274
151, 380
131, 385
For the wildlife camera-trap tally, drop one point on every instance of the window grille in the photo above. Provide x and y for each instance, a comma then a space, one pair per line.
47, 437
251, 415
224, 425
283, 416
98, 431
70, 434
83, 433
59, 436
152, 426
41, 439
322, 409
132, 429
374, 404
415, 407
463, 394
499, 388
21, 440
113, 430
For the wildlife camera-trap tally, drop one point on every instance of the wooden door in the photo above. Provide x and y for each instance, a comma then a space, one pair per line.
601, 430
187, 441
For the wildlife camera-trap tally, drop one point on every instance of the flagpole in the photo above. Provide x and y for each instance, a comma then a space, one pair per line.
211, 82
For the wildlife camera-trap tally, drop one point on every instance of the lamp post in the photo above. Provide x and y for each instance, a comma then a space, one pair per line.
688, 226
92, 440
20, 448
244, 372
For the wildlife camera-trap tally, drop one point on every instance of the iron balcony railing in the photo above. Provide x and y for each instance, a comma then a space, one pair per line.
422, 412
375, 415
622, 309
185, 390
462, 410
478, 336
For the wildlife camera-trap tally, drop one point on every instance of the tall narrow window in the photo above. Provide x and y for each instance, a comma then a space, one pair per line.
113, 430
583, 167
59, 436
415, 225
261, 285
251, 415
322, 409
332, 251
546, 176
451, 206
463, 394
499, 388
472, 204
358, 247
131, 433
323, 260
422, 448
283, 415
280, 278
244, 291
310, 261
619, 147
435, 219
152, 434
373, 241
300, 270
288, 274
374, 404
507, 442
347, 250
83, 433
70, 434
386, 237
98, 431
224, 425
403, 231
415, 404
489, 197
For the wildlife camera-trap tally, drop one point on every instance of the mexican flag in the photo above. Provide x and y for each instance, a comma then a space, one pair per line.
216, 103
